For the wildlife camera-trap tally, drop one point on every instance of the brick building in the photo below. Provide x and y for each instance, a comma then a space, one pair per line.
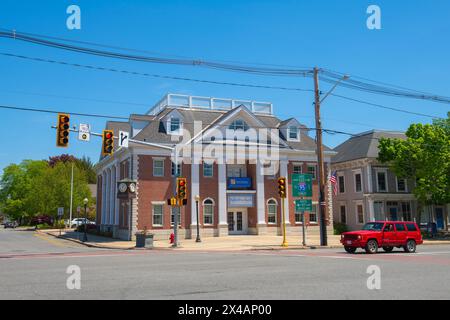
238, 194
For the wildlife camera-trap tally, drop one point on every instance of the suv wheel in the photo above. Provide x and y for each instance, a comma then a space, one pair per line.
410, 246
372, 246
388, 249
350, 249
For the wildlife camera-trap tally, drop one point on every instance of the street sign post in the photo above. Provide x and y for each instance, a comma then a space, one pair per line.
60, 215
302, 185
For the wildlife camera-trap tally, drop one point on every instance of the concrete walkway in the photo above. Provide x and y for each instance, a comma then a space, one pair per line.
230, 243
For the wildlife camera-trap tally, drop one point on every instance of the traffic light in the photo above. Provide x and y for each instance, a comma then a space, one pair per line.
282, 187
62, 130
108, 142
181, 188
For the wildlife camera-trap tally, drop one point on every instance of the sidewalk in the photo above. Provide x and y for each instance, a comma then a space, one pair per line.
230, 243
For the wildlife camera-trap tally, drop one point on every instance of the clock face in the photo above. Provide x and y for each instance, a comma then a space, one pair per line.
132, 187
123, 187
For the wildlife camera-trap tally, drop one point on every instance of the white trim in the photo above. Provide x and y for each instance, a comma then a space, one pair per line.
195, 188
260, 194
341, 174
158, 203
222, 185
382, 170
213, 205
355, 172
396, 185
359, 203
153, 166
276, 210
343, 204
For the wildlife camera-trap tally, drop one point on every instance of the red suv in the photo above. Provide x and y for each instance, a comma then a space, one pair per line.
385, 234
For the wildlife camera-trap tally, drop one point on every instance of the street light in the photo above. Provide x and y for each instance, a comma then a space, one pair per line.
197, 199
85, 201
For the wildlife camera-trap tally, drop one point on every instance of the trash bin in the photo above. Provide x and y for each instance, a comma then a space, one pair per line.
432, 229
144, 240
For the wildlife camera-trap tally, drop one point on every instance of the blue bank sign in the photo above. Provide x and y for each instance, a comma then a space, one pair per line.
239, 183
240, 200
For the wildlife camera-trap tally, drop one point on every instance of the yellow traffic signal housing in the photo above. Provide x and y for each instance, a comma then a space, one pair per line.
63, 130
181, 188
108, 142
282, 187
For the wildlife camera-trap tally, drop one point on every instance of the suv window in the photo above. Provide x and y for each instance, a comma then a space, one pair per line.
373, 226
411, 227
389, 228
400, 227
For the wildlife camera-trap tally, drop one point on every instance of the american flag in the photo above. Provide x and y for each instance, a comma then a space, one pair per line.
333, 180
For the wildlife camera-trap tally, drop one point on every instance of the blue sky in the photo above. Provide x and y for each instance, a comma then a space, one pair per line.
411, 50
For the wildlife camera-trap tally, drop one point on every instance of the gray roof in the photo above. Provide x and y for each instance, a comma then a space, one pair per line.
363, 145
155, 130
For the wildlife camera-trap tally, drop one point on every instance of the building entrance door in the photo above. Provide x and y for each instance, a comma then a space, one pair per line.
237, 221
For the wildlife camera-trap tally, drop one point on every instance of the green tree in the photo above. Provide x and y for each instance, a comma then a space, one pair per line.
423, 157
38, 188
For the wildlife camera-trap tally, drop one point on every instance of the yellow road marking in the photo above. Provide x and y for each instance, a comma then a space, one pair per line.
50, 240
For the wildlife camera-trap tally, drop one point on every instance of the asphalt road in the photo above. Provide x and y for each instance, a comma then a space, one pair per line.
34, 267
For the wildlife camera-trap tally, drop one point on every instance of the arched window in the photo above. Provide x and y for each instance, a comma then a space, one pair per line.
238, 124
272, 211
208, 211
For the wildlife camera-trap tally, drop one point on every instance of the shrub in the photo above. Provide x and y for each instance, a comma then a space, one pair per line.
339, 228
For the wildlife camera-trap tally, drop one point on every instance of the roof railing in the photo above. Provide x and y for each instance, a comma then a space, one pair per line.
209, 103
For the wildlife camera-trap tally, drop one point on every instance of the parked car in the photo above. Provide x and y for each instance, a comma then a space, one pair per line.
80, 221
41, 220
11, 224
385, 234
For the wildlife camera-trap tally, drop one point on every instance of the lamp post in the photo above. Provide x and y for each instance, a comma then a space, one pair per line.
85, 201
197, 199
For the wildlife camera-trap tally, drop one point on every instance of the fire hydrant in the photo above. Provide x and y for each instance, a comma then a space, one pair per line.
172, 238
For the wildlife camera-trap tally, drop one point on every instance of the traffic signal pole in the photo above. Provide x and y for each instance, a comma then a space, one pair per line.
321, 169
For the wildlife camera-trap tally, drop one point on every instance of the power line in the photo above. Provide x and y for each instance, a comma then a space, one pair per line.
153, 75
385, 107
97, 68
153, 59
326, 75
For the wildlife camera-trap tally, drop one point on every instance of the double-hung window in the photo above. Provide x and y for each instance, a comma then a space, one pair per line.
157, 215
158, 167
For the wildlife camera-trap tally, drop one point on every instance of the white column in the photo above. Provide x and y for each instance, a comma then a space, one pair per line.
369, 178
112, 196
116, 201
284, 173
371, 211
195, 188
108, 193
103, 197
222, 176
260, 196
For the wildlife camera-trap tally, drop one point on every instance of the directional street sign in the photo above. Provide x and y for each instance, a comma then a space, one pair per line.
303, 205
302, 185
84, 132
123, 139
60, 211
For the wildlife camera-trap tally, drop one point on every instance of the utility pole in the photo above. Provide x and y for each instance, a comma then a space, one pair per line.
175, 218
321, 173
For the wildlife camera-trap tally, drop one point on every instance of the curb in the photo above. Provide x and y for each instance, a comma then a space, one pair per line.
84, 243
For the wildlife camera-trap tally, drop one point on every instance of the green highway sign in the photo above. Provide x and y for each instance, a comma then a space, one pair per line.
302, 185
303, 205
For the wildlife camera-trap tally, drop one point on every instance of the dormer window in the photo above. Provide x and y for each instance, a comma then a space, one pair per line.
293, 133
174, 125
238, 125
